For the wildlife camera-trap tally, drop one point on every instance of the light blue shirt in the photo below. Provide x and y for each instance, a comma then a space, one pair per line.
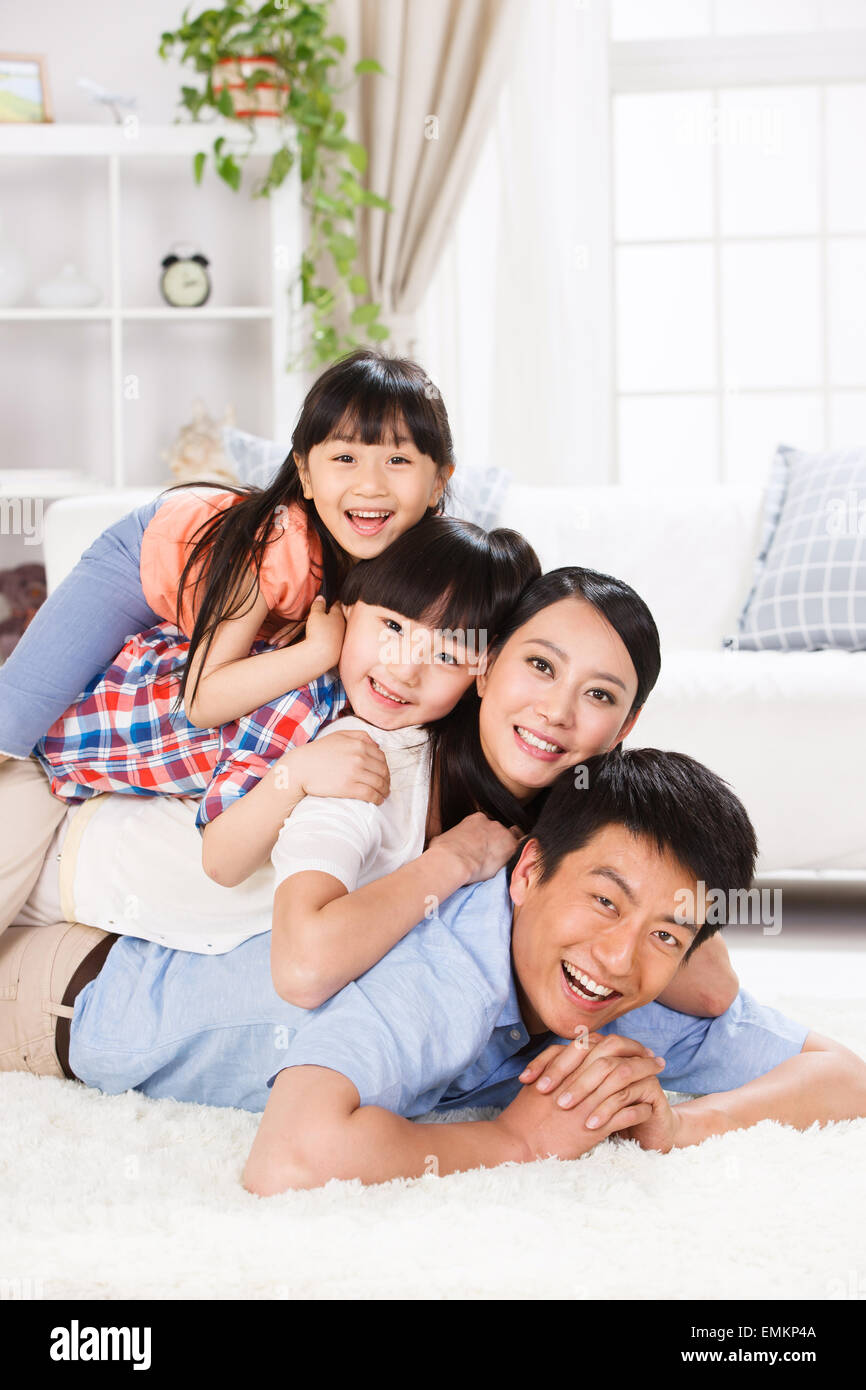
435, 1024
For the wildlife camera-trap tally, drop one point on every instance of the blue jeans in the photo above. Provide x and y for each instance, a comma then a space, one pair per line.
76, 633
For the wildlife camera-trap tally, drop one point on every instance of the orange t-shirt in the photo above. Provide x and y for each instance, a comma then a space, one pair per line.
291, 563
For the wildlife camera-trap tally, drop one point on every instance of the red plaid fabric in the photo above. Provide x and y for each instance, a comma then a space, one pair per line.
124, 733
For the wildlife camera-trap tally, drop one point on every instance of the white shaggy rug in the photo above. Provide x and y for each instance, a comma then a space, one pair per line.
113, 1197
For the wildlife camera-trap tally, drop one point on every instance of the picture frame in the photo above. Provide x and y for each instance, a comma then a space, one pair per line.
24, 95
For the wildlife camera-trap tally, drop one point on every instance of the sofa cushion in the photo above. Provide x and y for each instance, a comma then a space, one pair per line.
809, 588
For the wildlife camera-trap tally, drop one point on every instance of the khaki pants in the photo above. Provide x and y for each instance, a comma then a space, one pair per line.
29, 816
37, 964
37, 968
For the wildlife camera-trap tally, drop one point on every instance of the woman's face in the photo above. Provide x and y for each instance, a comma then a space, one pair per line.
559, 690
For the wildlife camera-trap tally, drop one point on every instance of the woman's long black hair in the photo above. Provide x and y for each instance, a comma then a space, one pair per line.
465, 778
365, 396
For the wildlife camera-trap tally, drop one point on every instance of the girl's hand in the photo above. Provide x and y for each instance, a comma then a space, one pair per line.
483, 845
286, 634
348, 764
325, 631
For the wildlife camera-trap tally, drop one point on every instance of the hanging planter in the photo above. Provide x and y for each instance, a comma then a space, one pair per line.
254, 86
275, 61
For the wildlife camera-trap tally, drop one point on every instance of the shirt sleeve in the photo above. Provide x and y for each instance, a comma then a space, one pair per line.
291, 567
334, 835
167, 544
407, 1027
705, 1055
250, 746
291, 570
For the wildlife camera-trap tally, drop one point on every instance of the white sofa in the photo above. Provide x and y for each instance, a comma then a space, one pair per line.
786, 729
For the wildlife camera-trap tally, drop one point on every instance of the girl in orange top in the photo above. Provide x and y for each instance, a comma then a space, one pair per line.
371, 455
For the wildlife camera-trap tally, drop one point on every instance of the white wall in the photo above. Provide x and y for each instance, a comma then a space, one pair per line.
53, 394
111, 42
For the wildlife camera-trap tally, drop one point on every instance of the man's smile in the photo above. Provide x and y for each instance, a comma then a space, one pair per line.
583, 989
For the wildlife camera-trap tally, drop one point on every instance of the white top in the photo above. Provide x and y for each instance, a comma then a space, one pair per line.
132, 865
352, 840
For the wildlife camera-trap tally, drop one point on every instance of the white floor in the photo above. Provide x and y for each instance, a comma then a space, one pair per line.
122, 1197
820, 950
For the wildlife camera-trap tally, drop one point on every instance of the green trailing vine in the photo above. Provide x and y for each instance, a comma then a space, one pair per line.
295, 35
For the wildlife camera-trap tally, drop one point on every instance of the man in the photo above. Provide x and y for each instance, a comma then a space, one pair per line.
470, 1008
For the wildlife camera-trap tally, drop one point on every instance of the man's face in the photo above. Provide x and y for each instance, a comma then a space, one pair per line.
599, 937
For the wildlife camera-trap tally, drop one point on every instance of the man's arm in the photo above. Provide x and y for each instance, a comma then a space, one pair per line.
824, 1082
314, 1128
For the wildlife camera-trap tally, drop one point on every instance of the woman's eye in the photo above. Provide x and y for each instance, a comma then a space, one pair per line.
393, 624
540, 663
447, 659
344, 458
605, 902
398, 458
605, 695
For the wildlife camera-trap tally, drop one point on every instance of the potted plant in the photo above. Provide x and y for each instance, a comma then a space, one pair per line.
275, 61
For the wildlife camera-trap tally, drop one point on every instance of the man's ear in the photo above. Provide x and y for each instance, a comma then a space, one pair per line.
304, 475
525, 872
347, 608
626, 728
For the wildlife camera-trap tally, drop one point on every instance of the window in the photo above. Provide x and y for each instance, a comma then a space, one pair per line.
739, 226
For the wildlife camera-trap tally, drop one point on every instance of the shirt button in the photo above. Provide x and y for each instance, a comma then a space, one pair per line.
515, 1034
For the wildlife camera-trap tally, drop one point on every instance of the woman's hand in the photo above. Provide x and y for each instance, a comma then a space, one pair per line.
483, 845
346, 764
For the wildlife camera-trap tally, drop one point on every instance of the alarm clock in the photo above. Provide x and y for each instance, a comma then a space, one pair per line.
185, 283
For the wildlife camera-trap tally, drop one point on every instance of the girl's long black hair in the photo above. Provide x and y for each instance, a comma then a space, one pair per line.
466, 780
364, 396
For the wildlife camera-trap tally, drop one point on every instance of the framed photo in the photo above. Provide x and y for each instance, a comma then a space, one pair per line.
23, 88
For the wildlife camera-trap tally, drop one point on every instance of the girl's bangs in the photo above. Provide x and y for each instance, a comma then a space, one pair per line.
380, 414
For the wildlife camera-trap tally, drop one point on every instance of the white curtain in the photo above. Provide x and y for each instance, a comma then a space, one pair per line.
515, 326
423, 123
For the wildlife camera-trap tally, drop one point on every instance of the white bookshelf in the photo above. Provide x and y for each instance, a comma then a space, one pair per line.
116, 146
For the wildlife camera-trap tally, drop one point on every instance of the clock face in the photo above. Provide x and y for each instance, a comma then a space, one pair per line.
185, 284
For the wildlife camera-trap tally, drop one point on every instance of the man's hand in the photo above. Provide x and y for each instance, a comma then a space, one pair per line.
594, 1089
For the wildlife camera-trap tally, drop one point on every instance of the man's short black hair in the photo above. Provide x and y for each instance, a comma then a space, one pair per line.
669, 798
